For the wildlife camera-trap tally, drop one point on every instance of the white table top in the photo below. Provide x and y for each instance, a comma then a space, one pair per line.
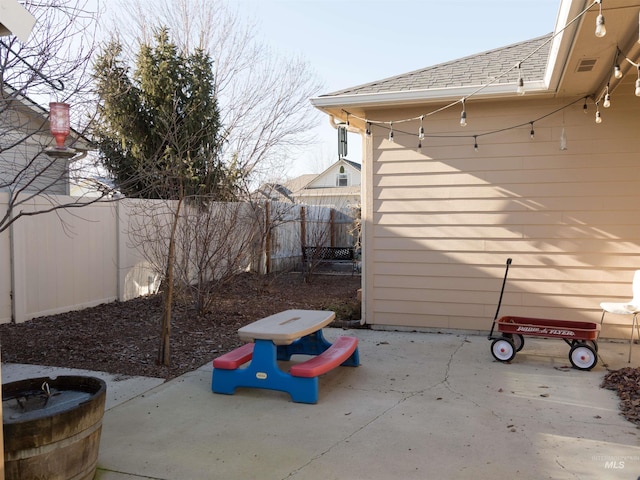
285, 327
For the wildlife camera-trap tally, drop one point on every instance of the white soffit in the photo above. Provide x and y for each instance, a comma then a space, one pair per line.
15, 19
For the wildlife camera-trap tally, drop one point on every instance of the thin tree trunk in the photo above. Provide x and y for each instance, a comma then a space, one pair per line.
164, 352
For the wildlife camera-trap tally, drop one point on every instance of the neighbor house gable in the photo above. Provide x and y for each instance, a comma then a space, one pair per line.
343, 173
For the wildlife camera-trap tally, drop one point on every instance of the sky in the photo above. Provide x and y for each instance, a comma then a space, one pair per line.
351, 42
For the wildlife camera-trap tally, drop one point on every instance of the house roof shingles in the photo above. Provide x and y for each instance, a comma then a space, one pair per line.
476, 69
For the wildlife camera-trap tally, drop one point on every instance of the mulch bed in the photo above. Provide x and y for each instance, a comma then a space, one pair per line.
124, 337
626, 383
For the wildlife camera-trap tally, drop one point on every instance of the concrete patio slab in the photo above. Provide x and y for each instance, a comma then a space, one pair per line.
421, 405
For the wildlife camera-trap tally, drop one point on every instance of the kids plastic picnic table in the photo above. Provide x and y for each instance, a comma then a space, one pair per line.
276, 338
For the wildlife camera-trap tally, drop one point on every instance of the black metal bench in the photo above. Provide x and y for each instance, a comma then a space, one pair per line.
311, 254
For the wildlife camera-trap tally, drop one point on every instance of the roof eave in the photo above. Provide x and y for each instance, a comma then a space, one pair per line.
433, 95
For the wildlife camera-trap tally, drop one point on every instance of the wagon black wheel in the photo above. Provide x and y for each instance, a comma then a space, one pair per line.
583, 356
516, 338
503, 349
518, 341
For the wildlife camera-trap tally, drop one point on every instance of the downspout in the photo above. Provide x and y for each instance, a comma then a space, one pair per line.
12, 268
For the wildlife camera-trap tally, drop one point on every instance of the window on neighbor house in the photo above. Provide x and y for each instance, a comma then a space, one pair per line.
342, 180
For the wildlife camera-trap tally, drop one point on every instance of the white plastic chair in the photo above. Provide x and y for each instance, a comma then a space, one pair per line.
632, 307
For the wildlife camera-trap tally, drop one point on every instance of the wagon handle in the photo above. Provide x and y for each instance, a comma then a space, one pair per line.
504, 281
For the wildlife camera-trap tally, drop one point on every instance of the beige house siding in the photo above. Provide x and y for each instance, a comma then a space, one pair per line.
440, 224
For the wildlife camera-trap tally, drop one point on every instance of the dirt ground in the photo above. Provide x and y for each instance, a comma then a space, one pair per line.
124, 337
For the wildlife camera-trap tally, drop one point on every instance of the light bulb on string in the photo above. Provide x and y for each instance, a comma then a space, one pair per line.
607, 98
463, 116
475, 143
638, 83
617, 72
598, 117
420, 134
520, 89
368, 129
601, 30
391, 132
585, 109
532, 133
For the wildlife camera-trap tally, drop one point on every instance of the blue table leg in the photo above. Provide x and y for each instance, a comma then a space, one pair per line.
263, 372
312, 344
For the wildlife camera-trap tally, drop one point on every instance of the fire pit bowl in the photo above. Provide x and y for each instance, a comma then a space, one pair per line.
52, 427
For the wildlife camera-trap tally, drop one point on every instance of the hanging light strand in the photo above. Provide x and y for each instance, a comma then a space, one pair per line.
492, 132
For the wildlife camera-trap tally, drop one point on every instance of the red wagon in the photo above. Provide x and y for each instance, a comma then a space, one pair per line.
582, 337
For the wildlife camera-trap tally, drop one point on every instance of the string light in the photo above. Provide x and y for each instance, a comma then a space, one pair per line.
607, 98
585, 109
463, 116
638, 83
532, 133
421, 130
601, 30
617, 72
475, 143
368, 129
391, 132
598, 117
520, 89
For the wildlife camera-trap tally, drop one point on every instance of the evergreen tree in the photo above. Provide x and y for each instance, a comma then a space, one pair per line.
158, 130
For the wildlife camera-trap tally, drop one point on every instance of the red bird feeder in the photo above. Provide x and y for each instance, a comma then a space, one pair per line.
59, 122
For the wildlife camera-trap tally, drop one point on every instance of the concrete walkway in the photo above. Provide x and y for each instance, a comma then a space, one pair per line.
421, 406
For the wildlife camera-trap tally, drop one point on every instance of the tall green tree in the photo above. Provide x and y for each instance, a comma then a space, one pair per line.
158, 129
158, 132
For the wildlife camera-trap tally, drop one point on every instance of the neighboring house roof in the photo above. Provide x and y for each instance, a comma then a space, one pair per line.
300, 182
355, 165
472, 70
274, 192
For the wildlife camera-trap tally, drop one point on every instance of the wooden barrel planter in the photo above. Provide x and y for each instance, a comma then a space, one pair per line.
52, 427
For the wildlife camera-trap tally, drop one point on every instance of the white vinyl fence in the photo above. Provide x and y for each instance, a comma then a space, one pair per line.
81, 257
